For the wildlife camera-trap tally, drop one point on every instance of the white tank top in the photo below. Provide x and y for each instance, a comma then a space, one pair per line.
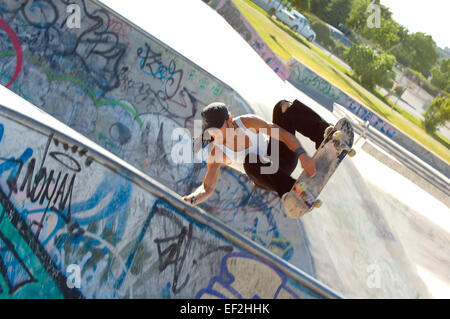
259, 144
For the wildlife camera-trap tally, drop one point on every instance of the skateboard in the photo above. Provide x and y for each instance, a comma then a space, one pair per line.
303, 196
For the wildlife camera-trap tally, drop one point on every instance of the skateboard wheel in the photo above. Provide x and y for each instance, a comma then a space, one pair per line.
352, 153
317, 203
301, 187
294, 207
337, 135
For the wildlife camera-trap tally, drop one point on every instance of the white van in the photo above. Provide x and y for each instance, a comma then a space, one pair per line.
297, 22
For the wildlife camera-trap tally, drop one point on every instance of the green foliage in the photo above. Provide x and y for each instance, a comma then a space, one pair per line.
399, 90
371, 67
358, 16
386, 36
388, 81
424, 54
333, 12
402, 53
318, 7
337, 12
413, 50
340, 50
323, 34
440, 75
417, 51
302, 5
437, 113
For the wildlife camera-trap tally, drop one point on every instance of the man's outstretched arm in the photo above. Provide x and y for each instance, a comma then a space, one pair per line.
205, 190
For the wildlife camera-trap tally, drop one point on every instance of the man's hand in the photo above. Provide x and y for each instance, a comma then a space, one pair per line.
308, 164
190, 198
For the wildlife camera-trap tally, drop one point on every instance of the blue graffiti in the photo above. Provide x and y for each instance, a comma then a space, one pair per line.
373, 119
248, 199
226, 279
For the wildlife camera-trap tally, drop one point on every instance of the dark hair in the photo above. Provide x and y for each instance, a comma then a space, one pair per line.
214, 115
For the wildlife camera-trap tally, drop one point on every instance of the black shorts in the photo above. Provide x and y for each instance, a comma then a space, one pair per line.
298, 117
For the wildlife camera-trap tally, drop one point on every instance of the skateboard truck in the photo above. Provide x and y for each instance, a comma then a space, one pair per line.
341, 145
306, 196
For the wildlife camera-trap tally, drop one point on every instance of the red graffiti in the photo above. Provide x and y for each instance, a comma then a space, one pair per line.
119, 28
17, 47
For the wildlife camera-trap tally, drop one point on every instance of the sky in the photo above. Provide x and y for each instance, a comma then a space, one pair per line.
428, 16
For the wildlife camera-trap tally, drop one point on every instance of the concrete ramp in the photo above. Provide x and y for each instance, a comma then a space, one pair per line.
127, 92
69, 208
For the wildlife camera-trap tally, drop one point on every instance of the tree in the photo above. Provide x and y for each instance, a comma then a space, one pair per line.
318, 7
371, 67
302, 5
402, 33
386, 36
415, 50
440, 75
425, 55
323, 34
357, 17
418, 52
337, 11
399, 90
403, 53
437, 114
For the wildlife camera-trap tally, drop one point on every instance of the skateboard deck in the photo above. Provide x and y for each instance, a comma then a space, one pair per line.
303, 196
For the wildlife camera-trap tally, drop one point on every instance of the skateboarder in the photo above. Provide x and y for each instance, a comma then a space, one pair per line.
287, 118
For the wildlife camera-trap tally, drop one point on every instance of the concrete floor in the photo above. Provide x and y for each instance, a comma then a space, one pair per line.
377, 234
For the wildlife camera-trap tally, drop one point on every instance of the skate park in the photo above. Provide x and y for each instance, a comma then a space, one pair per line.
125, 80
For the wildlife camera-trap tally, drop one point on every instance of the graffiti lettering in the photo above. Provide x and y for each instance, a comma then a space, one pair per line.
17, 47
172, 254
373, 119
151, 64
238, 279
11, 265
42, 186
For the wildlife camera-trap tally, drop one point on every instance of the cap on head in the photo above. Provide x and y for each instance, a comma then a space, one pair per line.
214, 115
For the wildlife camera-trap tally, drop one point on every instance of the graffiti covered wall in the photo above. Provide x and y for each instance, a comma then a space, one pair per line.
127, 92
62, 209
